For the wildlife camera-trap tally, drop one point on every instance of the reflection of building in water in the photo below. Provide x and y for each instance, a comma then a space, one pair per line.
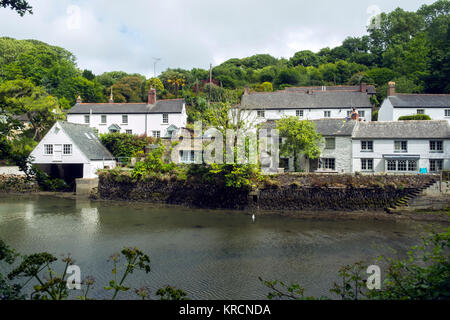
88, 215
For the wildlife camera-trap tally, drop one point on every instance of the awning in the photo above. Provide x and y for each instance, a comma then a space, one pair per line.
401, 156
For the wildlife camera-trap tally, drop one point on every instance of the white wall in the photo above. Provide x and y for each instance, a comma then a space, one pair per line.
90, 169
434, 113
386, 111
386, 147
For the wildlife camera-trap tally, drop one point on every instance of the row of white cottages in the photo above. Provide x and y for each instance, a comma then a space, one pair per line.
73, 148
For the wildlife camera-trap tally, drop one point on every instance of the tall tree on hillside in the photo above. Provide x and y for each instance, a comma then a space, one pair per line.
20, 6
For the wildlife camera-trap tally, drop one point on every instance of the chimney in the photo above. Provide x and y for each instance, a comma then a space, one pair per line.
151, 96
246, 91
111, 97
79, 99
391, 89
363, 87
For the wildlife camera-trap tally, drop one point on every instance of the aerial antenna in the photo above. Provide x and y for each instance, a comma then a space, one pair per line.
156, 60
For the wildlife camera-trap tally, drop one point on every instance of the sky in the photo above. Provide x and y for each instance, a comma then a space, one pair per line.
110, 35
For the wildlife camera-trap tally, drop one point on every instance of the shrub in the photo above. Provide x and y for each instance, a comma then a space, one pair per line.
153, 164
415, 117
123, 145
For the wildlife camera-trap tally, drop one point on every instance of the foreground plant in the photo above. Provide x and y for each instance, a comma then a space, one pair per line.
423, 275
50, 285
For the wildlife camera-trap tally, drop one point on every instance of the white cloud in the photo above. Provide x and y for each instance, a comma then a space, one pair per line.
110, 35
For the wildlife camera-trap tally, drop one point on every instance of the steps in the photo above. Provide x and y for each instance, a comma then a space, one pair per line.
404, 201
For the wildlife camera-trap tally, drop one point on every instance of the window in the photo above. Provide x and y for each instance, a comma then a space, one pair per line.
367, 146
156, 134
261, 114
299, 113
420, 111
436, 165
437, 146
187, 156
349, 114
402, 165
67, 149
129, 131
447, 113
327, 114
103, 121
401, 146
362, 114
367, 164
330, 143
48, 149
124, 119
87, 119
327, 163
165, 118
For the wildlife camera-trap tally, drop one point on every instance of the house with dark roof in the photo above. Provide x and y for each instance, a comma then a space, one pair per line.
396, 105
70, 151
305, 104
401, 146
153, 118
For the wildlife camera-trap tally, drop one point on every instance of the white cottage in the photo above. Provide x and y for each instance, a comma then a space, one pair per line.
396, 105
309, 104
70, 151
401, 146
154, 118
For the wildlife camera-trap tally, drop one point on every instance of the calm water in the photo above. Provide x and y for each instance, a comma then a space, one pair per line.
209, 254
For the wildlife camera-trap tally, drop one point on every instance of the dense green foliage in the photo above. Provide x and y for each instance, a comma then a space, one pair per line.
415, 117
123, 145
424, 275
20, 6
39, 270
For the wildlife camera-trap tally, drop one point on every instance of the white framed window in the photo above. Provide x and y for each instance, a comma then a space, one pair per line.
401, 165
436, 165
367, 146
299, 113
124, 119
330, 143
48, 149
156, 134
103, 119
420, 111
261, 114
401, 146
362, 114
327, 114
436, 146
87, 119
165, 118
327, 163
128, 131
187, 156
349, 114
67, 149
447, 113
367, 164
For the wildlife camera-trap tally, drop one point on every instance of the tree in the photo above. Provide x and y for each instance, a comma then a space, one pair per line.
287, 77
306, 58
265, 87
299, 137
20, 6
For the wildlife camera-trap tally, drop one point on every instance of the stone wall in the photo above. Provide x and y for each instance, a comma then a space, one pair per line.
16, 184
282, 192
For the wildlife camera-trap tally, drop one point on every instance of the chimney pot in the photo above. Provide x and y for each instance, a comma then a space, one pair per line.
391, 89
79, 99
246, 90
151, 96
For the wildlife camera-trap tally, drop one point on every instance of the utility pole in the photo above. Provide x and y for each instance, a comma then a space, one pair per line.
210, 81
156, 60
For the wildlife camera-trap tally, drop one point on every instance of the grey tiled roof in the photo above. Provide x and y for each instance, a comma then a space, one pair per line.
302, 100
369, 89
326, 127
420, 100
86, 140
402, 129
161, 106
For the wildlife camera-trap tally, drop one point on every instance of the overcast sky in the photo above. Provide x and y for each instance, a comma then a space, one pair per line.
108, 35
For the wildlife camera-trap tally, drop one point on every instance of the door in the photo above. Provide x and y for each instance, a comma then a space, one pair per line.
57, 153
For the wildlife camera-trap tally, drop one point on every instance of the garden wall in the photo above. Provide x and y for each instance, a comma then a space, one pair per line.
16, 184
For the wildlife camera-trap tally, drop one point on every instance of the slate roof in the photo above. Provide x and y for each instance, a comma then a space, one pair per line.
161, 106
86, 140
439, 129
369, 89
326, 127
420, 100
302, 100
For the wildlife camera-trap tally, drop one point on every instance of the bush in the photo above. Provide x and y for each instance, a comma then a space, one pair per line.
415, 117
153, 164
123, 145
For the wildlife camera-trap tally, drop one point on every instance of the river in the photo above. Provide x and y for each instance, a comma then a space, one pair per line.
209, 254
